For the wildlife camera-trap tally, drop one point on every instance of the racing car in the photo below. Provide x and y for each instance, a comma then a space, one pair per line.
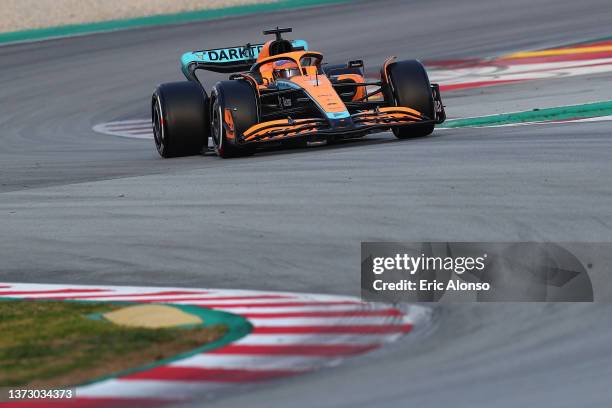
280, 92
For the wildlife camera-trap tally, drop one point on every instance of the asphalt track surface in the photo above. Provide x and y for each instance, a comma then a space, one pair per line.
80, 207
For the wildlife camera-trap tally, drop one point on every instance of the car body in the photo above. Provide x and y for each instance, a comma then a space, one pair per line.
281, 92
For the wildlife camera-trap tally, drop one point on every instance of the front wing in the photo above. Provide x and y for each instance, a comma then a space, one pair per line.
361, 122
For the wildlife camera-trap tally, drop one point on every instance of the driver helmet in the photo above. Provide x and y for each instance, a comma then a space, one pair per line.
285, 69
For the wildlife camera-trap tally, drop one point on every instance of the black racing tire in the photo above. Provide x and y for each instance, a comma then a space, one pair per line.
180, 119
241, 99
409, 87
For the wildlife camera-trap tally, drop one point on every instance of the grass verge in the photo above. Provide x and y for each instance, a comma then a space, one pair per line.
53, 344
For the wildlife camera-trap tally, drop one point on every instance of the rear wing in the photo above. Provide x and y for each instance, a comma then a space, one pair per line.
226, 60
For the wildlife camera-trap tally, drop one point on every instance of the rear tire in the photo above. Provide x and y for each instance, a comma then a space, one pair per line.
240, 99
180, 119
409, 87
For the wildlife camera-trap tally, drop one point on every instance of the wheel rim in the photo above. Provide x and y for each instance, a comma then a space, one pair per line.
158, 128
217, 126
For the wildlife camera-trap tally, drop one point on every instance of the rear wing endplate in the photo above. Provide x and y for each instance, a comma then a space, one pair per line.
226, 60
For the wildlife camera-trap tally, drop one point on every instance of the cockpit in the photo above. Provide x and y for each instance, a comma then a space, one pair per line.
285, 69
279, 59
289, 65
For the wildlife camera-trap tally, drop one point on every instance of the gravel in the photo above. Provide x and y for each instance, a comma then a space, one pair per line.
27, 14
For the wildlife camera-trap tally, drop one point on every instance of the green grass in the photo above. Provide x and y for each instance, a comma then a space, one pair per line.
55, 344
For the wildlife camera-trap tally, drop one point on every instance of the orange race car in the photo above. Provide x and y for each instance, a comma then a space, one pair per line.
281, 93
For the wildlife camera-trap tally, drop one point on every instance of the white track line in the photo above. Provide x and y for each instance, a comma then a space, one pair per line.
293, 363
116, 129
283, 339
149, 389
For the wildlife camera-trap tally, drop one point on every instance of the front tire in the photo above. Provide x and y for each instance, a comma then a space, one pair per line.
408, 86
238, 100
180, 119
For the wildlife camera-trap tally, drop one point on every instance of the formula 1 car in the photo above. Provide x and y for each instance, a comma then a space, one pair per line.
281, 93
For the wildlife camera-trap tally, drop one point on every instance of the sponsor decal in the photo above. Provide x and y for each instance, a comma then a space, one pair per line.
232, 54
